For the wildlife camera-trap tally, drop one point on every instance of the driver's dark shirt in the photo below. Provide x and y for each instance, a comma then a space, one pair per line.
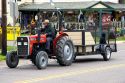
49, 31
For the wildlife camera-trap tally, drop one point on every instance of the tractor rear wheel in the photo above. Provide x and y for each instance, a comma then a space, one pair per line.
41, 60
65, 51
12, 59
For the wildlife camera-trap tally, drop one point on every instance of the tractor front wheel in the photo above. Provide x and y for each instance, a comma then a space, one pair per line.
65, 51
12, 59
41, 60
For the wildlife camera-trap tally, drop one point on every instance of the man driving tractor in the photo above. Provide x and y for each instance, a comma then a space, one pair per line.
50, 33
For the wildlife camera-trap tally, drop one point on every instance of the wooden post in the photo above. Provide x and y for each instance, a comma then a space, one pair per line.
4, 31
100, 22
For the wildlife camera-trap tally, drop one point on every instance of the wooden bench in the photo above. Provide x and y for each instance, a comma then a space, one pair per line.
81, 40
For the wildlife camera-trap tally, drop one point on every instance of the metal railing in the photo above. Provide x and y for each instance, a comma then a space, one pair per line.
72, 25
85, 25
118, 24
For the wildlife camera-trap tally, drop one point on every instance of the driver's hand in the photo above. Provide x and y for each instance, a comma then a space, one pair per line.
45, 33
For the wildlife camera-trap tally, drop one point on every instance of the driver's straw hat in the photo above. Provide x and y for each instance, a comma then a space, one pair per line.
46, 21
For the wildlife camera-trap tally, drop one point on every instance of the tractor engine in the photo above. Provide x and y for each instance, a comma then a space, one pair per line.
25, 44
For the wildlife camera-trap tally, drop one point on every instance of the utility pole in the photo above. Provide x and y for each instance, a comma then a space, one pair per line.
4, 30
32, 1
121, 1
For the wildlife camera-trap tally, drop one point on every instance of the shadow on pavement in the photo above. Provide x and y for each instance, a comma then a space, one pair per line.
88, 60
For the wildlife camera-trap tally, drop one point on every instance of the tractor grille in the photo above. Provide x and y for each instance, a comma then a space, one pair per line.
22, 46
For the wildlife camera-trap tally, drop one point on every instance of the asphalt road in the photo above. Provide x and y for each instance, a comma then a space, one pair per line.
86, 69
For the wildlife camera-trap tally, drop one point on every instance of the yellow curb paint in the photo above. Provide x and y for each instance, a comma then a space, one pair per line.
71, 73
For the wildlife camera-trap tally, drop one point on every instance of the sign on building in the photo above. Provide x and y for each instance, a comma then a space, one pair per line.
106, 20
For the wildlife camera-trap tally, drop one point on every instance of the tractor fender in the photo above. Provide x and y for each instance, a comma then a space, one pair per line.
57, 38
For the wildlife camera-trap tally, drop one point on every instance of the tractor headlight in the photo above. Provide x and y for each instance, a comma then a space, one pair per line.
25, 43
19, 43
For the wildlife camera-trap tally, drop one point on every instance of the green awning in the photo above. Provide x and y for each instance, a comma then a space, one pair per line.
69, 6
116, 6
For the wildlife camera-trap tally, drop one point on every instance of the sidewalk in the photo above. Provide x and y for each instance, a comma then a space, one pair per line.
11, 43
118, 42
2, 64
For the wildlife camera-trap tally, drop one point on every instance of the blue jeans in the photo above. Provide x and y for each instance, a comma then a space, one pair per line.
49, 40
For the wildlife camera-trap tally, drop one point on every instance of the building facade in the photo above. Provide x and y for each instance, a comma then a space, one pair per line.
10, 18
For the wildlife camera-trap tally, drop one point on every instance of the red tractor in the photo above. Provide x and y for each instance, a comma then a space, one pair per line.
28, 47
34, 48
